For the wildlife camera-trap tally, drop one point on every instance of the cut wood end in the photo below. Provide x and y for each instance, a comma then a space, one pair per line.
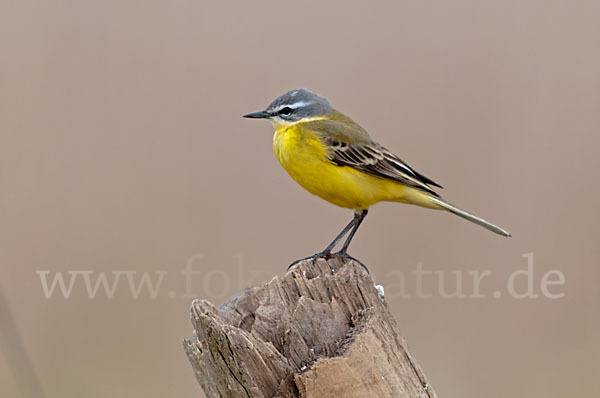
321, 329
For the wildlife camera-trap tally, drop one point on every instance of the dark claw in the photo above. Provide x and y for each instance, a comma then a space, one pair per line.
314, 258
327, 256
346, 256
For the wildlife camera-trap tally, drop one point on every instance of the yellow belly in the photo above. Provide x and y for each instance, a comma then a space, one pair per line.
303, 156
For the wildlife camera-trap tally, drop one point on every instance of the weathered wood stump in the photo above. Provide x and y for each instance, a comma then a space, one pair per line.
320, 330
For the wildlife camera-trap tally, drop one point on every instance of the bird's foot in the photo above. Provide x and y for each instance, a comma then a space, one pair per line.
324, 255
345, 256
327, 256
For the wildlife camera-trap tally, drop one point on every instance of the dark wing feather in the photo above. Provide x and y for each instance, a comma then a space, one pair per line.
374, 159
348, 144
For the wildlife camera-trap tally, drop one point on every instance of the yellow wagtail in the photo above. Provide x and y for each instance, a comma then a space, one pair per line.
334, 158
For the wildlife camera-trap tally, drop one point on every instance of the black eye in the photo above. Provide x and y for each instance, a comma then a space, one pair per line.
285, 111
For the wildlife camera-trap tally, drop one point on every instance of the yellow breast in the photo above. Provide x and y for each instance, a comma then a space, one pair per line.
304, 156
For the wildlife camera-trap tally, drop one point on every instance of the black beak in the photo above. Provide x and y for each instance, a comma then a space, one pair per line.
258, 115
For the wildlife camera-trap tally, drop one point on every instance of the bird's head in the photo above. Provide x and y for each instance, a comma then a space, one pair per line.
293, 107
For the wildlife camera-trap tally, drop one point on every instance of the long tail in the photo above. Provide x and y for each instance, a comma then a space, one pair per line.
468, 216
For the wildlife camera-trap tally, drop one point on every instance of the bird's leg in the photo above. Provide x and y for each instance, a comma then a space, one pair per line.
327, 252
358, 219
329, 248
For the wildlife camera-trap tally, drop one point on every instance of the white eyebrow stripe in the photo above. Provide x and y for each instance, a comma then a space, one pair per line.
295, 105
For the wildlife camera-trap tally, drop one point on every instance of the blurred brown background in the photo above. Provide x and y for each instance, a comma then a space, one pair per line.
122, 148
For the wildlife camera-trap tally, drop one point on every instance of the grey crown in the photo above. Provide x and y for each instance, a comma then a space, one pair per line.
299, 104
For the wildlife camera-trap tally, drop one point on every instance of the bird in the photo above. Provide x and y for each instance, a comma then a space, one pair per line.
334, 158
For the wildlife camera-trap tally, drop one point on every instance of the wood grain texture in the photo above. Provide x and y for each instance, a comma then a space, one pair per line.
320, 330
